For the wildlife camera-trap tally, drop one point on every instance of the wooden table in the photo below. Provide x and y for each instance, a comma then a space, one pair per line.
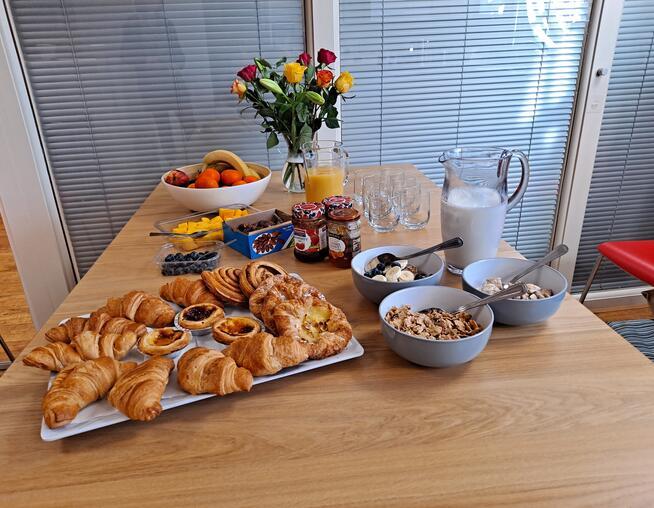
554, 414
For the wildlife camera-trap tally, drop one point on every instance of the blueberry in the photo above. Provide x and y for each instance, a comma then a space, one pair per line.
396, 263
194, 256
211, 255
380, 266
169, 257
206, 255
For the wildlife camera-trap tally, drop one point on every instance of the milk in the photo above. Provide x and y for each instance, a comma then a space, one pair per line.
476, 214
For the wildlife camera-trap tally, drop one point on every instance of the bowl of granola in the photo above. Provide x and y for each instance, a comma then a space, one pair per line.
422, 325
547, 288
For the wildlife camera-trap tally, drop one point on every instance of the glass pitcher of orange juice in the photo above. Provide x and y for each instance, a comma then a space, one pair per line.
325, 164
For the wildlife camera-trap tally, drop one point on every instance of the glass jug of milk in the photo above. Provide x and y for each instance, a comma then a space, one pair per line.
474, 200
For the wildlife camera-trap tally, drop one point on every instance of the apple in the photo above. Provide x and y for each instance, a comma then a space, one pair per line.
177, 178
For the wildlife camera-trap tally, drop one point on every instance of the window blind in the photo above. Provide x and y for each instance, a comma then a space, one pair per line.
433, 75
125, 90
621, 200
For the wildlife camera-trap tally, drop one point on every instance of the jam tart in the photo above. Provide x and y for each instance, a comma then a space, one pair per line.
199, 316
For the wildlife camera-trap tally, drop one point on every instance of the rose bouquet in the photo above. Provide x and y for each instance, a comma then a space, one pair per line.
293, 100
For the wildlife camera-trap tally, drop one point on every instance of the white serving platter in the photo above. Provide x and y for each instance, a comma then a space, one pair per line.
102, 414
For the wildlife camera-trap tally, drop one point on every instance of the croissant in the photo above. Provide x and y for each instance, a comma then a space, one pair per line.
185, 292
123, 325
203, 370
138, 393
264, 354
79, 385
142, 308
55, 356
97, 320
67, 330
91, 345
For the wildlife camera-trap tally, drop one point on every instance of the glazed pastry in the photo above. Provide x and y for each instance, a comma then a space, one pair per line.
288, 288
185, 292
264, 354
199, 316
79, 385
223, 282
54, 357
255, 272
203, 370
229, 329
164, 341
323, 327
258, 297
91, 345
67, 330
137, 394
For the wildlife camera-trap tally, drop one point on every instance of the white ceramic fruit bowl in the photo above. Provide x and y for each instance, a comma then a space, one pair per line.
205, 200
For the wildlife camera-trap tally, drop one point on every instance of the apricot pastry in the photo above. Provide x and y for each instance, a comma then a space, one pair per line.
164, 341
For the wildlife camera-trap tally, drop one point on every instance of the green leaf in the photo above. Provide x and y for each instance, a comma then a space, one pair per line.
261, 64
306, 134
272, 141
332, 123
301, 112
332, 112
280, 61
309, 73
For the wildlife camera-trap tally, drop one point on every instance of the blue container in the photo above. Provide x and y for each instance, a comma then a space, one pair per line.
263, 241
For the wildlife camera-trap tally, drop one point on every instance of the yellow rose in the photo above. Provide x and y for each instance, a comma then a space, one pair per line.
344, 82
293, 72
239, 89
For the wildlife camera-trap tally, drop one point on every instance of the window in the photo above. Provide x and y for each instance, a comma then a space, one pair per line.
125, 90
433, 75
621, 199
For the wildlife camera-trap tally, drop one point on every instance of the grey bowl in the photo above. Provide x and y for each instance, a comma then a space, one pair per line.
435, 353
517, 312
377, 290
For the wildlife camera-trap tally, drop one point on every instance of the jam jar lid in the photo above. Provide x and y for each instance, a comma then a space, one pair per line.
337, 203
344, 214
310, 210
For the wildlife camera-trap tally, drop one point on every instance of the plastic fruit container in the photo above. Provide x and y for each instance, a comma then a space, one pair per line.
172, 260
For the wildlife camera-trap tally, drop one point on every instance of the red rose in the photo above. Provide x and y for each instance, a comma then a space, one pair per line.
304, 59
326, 57
247, 73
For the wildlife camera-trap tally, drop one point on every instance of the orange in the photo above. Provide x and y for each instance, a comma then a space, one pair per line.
239, 182
230, 176
251, 178
211, 173
206, 182
192, 185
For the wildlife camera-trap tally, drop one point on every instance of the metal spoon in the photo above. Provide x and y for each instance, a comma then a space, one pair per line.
197, 234
387, 258
555, 253
515, 290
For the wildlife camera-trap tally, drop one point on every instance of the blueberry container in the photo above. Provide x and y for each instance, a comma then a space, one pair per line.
171, 260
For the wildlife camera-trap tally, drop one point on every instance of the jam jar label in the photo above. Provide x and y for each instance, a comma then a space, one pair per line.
310, 240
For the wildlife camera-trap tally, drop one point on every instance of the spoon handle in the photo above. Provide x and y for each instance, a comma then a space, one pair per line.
555, 253
515, 290
197, 234
447, 244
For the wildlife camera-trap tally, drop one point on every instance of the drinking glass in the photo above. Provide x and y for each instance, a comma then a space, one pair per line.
414, 207
369, 183
357, 184
382, 215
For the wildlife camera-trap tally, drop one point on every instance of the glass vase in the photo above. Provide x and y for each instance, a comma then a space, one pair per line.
293, 172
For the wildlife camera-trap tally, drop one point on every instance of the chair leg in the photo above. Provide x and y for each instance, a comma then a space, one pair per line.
589, 282
10, 355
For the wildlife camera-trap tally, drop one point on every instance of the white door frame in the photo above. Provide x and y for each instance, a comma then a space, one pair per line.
27, 198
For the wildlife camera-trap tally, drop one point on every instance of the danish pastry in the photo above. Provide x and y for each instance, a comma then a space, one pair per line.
223, 282
264, 354
164, 341
203, 370
322, 326
255, 272
201, 315
137, 394
289, 288
54, 357
229, 329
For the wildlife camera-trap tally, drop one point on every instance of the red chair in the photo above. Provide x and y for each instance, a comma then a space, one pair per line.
634, 257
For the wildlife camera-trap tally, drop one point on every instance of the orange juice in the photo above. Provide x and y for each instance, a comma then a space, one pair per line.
322, 182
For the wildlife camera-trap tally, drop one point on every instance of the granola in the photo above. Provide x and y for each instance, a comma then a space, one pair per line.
534, 292
435, 324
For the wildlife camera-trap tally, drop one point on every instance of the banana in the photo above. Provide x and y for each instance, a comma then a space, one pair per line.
230, 158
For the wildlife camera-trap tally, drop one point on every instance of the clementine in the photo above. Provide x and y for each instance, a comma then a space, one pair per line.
251, 178
206, 182
239, 182
230, 176
212, 173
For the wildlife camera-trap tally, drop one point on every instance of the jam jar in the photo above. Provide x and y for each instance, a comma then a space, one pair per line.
310, 231
344, 227
336, 203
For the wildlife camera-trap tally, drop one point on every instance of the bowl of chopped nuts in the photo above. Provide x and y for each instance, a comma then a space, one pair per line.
422, 325
375, 280
546, 289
